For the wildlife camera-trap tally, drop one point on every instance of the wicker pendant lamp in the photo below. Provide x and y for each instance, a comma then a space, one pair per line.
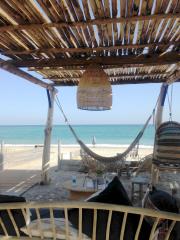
94, 90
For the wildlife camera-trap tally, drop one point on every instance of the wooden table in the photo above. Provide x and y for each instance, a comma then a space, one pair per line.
78, 191
140, 181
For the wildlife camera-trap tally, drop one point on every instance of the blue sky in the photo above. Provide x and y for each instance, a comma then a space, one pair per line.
25, 103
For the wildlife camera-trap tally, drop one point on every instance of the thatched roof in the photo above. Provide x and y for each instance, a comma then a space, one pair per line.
134, 41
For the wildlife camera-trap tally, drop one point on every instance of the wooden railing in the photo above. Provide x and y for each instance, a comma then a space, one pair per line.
141, 212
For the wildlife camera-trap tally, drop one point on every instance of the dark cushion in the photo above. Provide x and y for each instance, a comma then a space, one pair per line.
17, 214
113, 194
165, 202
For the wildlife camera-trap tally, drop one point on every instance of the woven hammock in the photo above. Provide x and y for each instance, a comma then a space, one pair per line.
103, 159
118, 157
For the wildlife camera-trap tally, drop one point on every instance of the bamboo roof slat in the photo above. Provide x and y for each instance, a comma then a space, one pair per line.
175, 6
90, 28
139, 35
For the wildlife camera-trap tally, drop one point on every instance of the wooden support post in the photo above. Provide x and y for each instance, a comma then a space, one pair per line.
47, 141
158, 121
160, 106
20, 73
2, 156
59, 154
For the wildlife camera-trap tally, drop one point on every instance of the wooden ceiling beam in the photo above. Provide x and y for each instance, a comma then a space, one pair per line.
116, 82
20, 73
145, 60
90, 50
99, 21
175, 77
79, 68
118, 75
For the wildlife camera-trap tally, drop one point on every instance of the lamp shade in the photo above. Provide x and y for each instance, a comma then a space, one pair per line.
94, 90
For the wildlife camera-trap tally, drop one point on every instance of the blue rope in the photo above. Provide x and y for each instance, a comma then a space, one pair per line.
49, 98
164, 94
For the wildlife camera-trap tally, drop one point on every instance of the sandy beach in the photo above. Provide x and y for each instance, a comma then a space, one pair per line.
21, 170
30, 156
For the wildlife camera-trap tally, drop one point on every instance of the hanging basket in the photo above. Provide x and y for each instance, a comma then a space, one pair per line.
94, 90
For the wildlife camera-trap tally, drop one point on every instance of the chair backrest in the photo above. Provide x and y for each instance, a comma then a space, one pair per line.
167, 144
95, 208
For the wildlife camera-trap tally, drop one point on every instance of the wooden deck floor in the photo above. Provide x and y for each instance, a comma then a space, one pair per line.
16, 182
20, 171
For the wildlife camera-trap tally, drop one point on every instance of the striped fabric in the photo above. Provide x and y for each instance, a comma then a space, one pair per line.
167, 144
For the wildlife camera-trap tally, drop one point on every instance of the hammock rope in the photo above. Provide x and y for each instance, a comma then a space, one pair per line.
103, 159
170, 99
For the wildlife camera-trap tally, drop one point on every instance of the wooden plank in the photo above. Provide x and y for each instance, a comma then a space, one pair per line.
174, 77
89, 49
153, 229
168, 58
123, 226
13, 223
94, 225
110, 69
4, 228
139, 227
66, 223
170, 230
115, 82
108, 225
97, 21
12, 69
80, 224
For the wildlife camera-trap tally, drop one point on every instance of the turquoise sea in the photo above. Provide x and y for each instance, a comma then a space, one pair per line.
104, 134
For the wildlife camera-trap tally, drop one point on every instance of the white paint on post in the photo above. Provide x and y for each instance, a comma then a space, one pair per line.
2, 146
59, 154
160, 106
2, 156
47, 141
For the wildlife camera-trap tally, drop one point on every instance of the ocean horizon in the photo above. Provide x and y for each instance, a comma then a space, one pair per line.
111, 134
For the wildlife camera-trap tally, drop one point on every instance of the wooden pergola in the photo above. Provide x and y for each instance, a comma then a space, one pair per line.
134, 41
